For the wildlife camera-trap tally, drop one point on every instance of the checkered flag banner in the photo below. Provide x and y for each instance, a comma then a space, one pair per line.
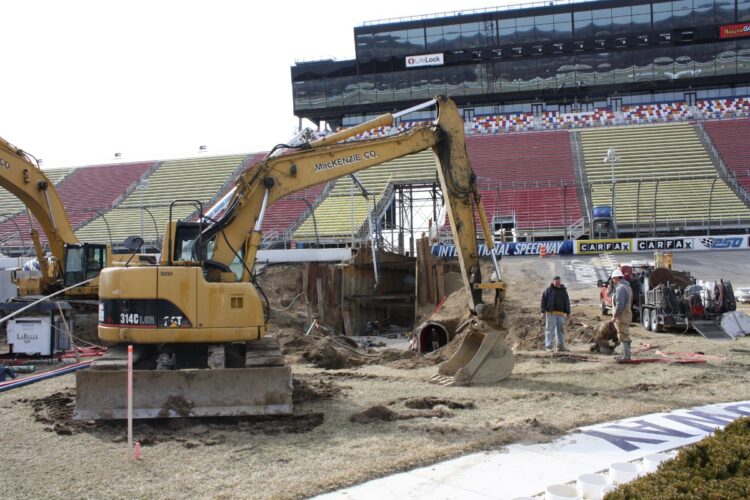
707, 242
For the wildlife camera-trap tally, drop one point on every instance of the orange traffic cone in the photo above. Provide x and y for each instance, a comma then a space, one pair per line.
542, 250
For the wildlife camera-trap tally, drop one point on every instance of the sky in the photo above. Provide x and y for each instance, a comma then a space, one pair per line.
82, 80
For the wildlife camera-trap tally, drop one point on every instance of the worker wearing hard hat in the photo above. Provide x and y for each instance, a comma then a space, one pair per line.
622, 313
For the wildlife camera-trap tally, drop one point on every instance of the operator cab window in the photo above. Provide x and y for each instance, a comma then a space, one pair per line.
73, 265
96, 260
186, 236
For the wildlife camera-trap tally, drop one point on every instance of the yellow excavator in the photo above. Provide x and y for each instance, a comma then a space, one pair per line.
73, 262
197, 320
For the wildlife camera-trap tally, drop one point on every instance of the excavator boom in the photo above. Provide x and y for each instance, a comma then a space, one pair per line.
74, 262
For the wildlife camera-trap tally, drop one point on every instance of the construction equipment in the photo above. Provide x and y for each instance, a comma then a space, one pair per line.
200, 307
666, 298
72, 261
672, 299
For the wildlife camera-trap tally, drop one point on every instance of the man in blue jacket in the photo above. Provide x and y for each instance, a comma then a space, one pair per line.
555, 307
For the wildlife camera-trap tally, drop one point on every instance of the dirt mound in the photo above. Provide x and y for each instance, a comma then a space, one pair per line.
380, 413
430, 403
56, 410
526, 327
334, 353
294, 341
377, 413
282, 284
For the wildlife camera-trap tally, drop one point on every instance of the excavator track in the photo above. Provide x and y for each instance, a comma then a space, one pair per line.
262, 387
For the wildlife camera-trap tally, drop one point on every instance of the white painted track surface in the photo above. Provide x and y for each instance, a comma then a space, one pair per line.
527, 470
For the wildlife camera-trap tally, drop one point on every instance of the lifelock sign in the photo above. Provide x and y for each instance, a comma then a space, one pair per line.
424, 60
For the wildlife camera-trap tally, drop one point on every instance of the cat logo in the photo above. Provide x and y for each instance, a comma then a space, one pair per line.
5, 164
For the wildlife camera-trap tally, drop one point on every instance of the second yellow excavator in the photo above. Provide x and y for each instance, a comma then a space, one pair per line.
197, 320
73, 262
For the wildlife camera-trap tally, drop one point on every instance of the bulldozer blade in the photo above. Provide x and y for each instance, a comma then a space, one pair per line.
482, 358
102, 394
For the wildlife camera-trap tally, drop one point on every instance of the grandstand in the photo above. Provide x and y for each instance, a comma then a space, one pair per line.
10, 205
85, 192
663, 179
198, 179
529, 178
540, 176
730, 137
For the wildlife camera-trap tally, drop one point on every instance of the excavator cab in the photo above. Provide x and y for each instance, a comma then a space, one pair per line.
83, 262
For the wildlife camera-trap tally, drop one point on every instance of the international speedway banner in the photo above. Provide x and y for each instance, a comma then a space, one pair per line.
510, 249
672, 244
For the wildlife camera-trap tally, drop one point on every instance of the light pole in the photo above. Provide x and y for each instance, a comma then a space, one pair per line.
611, 158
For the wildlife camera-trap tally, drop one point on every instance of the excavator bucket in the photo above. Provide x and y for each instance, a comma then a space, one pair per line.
262, 387
482, 358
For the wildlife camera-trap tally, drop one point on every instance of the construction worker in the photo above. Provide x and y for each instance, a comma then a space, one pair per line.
622, 314
555, 307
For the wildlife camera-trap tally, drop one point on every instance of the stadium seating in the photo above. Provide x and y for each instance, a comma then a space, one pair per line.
524, 175
731, 139
345, 210
85, 192
725, 108
523, 163
186, 179
10, 205
282, 215
664, 112
669, 158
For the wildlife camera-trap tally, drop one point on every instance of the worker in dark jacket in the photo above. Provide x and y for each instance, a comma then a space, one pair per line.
555, 308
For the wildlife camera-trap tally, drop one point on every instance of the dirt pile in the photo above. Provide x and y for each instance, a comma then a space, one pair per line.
282, 285
337, 352
428, 407
526, 328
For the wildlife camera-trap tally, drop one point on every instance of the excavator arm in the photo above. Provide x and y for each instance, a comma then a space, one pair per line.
24, 179
29, 184
330, 158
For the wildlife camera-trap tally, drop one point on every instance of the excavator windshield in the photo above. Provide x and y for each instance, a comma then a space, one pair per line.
83, 262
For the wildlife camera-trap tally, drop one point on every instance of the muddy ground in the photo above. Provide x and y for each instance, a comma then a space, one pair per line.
371, 415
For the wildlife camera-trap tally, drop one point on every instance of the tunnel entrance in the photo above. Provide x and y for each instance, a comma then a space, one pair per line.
432, 336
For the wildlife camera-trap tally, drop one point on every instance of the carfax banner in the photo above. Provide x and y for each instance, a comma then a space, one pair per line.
510, 249
723, 242
584, 247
